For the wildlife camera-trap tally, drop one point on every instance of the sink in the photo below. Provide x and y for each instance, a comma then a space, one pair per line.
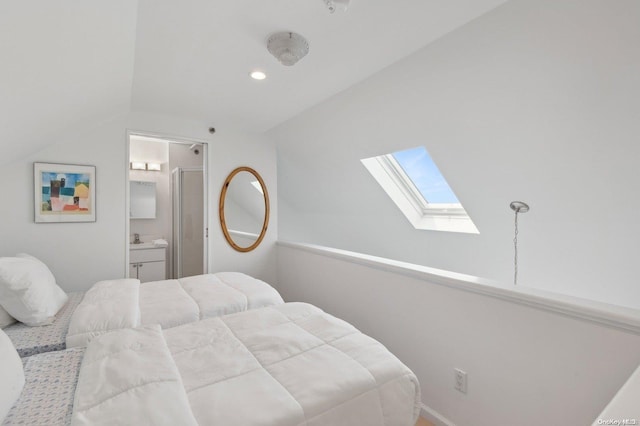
141, 246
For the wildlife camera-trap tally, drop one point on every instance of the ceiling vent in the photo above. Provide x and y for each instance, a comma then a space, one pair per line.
288, 47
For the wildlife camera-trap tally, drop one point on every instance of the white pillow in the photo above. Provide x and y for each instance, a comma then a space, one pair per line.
11, 373
28, 290
5, 318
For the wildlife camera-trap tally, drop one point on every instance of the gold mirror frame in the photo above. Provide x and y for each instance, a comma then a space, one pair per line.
223, 222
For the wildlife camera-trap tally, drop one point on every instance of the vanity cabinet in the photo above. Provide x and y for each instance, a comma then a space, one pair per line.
147, 264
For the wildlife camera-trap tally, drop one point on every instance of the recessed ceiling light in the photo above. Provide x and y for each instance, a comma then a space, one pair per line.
258, 75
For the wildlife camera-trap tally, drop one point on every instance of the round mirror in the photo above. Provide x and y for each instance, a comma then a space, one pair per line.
244, 209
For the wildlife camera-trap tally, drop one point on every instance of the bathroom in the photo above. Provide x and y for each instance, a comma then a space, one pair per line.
167, 187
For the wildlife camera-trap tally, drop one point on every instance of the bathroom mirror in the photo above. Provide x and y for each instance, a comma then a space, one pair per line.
244, 209
142, 200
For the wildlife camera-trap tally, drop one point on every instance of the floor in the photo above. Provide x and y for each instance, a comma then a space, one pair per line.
423, 422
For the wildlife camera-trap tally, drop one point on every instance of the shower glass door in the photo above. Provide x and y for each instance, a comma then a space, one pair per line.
188, 222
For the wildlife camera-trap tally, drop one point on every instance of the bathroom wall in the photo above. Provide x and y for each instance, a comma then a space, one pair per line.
153, 152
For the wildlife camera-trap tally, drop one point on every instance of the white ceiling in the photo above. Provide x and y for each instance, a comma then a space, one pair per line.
193, 57
71, 62
62, 64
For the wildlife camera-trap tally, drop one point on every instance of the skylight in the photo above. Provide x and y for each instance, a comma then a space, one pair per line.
424, 174
414, 183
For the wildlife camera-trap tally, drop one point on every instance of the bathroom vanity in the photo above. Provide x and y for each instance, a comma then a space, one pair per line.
147, 262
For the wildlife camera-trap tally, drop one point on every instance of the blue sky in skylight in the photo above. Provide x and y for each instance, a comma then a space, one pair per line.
424, 173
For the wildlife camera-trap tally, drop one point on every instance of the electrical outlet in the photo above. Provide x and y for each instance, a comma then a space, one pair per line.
460, 382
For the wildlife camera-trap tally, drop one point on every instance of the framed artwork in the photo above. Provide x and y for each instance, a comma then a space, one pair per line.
64, 193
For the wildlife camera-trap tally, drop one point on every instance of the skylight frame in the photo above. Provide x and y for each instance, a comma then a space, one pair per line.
400, 177
450, 217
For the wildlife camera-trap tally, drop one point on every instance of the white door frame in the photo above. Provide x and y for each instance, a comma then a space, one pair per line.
205, 171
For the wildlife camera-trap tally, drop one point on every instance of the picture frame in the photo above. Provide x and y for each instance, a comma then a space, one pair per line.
64, 193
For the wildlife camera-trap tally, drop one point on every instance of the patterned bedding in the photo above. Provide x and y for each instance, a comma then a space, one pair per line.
50, 384
35, 340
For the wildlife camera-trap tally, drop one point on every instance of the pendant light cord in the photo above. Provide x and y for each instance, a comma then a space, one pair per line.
515, 247
517, 207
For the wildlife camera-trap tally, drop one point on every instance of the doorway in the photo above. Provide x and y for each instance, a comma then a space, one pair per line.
167, 207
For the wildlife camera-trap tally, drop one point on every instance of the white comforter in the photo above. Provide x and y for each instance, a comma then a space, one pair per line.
286, 365
125, 303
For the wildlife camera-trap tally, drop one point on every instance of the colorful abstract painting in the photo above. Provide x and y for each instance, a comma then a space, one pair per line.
64, 193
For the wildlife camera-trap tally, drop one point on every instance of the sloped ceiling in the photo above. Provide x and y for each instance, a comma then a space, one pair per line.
193, 57
64, 63
517, 105
72, 62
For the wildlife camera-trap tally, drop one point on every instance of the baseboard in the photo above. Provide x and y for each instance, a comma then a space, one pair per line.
434, 417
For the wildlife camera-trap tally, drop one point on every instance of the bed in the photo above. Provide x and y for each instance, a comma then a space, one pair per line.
45, 338
288, 364
125, 303
49, 389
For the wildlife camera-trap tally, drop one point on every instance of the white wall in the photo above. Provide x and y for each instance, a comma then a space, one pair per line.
64, 64
525, 366
228, 149
79, 254
258, 152
535, 101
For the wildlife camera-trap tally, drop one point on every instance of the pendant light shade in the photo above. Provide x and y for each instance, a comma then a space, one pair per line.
288, 47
